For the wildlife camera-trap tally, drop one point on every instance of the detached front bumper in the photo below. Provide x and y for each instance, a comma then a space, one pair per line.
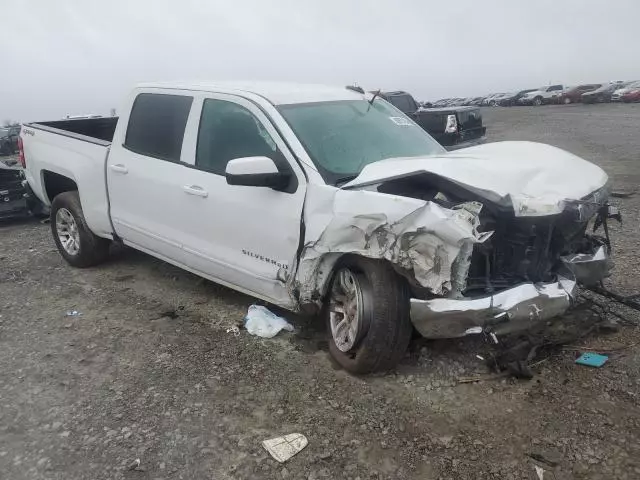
511, 310
515, 309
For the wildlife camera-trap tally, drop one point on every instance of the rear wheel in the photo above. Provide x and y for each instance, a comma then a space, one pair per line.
77, 244
567, 100
367, 313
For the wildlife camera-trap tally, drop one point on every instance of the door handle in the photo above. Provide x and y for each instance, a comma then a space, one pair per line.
196, 190
119, 168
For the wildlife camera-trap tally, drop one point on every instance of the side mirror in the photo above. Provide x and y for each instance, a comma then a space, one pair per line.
256, 172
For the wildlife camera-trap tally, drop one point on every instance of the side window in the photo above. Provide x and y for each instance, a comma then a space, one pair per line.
228, 131
553, 88
156, 125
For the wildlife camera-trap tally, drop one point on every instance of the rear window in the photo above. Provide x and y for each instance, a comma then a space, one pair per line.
404, 103
156, 125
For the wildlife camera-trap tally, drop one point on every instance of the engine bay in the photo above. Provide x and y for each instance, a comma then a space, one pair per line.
521, 249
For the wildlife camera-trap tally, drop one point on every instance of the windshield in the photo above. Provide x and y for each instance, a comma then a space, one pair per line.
341, 137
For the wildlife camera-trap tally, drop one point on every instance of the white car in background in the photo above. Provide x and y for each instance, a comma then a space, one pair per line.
542, 95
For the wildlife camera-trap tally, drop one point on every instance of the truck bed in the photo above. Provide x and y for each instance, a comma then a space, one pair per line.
71, 150
96, 128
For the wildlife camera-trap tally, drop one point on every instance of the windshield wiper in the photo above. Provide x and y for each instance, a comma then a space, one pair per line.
375, 95
346, 179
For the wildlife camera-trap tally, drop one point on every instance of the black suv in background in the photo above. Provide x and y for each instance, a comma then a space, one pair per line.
9, 140
452, 127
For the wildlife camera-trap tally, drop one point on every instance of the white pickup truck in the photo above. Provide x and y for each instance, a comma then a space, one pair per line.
322, 199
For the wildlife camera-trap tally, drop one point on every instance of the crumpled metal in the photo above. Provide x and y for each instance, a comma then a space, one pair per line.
589, 268
510, 310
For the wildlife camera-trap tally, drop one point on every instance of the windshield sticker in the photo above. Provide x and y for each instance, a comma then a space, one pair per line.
403, 122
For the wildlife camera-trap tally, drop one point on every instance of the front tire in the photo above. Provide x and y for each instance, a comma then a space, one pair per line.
537, 101
77, 244
367, 314
567, 100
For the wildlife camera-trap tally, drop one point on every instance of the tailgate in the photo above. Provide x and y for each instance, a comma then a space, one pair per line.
470, 124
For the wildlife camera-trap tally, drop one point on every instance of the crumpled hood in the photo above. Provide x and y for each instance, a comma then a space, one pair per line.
533, 178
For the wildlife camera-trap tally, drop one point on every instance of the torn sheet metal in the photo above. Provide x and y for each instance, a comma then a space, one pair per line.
532, 178
589, 268
514, 309
420, 238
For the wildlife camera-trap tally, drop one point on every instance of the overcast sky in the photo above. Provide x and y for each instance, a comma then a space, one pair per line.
82, 56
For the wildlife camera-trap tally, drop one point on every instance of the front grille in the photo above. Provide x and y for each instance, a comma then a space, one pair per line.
524, 249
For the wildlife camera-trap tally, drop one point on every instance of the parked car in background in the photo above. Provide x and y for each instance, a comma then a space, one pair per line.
12, 198
618, 93
492, 100
440, 103
602, 94
9, 140
452, 126
511, 99
632, 95
574, 94
541, 96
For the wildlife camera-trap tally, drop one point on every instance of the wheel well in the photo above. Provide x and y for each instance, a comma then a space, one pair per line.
345, 259
55, 184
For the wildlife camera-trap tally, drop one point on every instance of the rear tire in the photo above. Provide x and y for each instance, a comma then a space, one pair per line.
77, 244
567, 100
383, 329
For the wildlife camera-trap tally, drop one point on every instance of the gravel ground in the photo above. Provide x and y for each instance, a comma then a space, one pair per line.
149, 371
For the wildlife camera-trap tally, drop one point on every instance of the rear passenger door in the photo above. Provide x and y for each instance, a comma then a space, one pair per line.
145, 176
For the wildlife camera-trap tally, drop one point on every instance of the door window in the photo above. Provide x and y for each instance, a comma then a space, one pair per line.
156, 125
228, 131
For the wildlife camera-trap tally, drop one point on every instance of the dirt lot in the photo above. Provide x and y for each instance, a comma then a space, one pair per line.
148, 370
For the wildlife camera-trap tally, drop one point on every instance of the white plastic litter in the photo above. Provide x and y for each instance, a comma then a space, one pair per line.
283, 448
74, 313
262, 322
539, 472
234, 330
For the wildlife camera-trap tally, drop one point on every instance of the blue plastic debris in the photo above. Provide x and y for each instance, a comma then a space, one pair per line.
592, 359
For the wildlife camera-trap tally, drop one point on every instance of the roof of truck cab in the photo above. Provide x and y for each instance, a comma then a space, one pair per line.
277, 93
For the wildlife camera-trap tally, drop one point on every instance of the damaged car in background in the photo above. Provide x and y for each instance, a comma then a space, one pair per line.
328, 200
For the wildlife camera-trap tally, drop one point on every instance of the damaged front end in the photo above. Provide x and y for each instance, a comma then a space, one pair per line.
491, 239
527, 272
